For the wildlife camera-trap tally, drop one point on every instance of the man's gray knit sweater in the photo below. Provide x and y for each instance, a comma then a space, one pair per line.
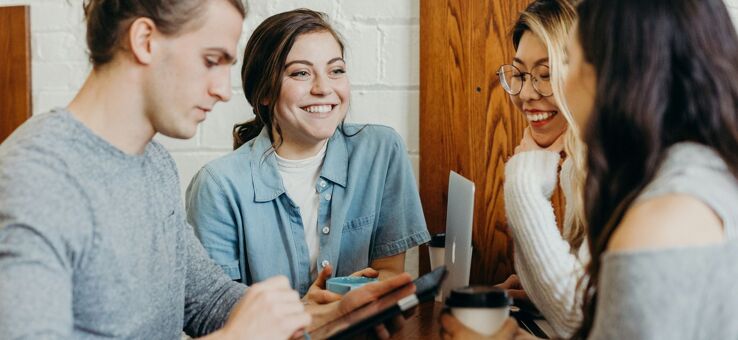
94, 242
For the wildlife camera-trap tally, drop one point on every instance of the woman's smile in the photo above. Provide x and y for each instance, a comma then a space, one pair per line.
539, 118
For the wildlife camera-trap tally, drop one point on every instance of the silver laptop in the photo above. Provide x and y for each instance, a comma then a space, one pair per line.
459, 218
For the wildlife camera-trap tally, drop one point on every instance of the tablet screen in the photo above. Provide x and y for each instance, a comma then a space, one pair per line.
384, 308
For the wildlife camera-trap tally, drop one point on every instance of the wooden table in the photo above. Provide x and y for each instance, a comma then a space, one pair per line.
424, 324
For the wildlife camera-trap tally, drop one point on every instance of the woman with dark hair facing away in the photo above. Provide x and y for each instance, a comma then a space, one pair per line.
304, 194
661, 129
652, 82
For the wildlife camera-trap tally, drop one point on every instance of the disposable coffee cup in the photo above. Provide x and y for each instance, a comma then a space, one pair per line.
482, 308
436, 249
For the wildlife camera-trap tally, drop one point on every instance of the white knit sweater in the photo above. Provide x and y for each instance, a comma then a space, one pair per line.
548, 268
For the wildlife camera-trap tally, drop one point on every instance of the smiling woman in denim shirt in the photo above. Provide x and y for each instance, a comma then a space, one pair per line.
304, 194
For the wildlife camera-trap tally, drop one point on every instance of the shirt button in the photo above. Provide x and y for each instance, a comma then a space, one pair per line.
325, 263
326, 230
327, 197
323, 184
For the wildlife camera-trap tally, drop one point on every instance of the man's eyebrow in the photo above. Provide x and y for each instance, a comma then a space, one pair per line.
226, 55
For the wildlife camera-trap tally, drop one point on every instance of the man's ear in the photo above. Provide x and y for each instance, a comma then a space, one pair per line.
141, 39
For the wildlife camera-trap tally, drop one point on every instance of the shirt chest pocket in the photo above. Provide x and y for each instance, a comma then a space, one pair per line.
356, 243
359, 224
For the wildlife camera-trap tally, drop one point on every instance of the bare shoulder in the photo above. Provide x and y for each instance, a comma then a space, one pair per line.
667, 221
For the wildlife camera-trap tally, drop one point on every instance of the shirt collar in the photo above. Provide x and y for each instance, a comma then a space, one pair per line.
265, 173
335, 166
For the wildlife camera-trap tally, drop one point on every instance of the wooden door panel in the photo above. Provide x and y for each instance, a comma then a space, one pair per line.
444, 82
493, 251
15, 68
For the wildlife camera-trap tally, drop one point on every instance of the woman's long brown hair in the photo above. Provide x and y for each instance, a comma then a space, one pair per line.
665, 74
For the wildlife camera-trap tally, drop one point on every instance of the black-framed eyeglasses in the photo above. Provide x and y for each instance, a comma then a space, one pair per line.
512, 79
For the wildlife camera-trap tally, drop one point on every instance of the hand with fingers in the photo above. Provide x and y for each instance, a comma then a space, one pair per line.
318, 294
270, 309
324, 313
529, 144
453, 329
514, 289
360, 297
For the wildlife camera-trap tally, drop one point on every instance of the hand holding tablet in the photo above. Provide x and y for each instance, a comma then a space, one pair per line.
377, 303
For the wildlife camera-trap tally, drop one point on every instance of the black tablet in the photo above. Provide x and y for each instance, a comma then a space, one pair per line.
383, 309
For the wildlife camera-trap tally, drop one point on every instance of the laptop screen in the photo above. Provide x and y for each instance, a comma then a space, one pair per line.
459, 219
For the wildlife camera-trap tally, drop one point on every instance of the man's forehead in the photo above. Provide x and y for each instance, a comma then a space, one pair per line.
214, 37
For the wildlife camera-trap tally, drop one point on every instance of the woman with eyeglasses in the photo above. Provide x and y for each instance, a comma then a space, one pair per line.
548, 263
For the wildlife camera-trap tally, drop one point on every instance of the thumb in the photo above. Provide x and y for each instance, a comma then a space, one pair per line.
517, 294
515, 282
366, 272
508, 283
323, 297
526, 131
323, 276
558, 144
517, 150
527, 136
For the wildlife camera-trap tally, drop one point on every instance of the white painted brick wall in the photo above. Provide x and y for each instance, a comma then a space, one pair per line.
382, 54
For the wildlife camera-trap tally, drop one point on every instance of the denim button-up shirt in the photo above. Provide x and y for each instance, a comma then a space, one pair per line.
369, 208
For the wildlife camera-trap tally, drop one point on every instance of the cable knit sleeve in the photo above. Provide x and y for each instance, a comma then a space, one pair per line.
547, 268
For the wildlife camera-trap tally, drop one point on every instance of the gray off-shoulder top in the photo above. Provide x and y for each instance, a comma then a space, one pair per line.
677, 293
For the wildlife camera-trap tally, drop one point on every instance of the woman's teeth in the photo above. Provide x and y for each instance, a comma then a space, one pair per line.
540, 116
318, 108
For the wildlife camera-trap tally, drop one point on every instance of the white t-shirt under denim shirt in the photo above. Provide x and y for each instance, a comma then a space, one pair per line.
300, 178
